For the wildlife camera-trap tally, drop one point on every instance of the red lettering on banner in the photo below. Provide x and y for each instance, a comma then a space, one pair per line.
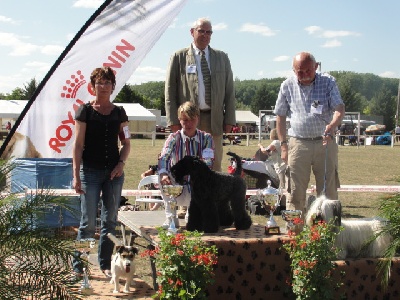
64, 131
120, 49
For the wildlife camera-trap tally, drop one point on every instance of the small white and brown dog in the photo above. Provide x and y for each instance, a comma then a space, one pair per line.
122, 264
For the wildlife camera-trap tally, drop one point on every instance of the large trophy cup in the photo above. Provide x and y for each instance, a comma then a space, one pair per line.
83, 247
289, 216
270, 198
173, 191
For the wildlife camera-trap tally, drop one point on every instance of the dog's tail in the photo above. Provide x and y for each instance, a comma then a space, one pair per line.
238, 159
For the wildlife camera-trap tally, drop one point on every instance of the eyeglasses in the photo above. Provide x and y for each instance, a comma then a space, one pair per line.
104, 83
206, 32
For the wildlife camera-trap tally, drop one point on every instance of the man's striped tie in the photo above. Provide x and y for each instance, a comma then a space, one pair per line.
206, 78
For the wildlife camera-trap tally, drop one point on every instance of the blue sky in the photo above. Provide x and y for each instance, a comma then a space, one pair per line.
260, 36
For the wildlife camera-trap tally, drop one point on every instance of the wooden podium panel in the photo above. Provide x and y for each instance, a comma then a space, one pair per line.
252, 265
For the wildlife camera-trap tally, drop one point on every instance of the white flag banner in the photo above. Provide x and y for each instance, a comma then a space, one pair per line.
119, 35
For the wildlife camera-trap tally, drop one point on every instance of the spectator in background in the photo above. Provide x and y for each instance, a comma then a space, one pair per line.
153, 170
202, 75
8, 126
397, 132
274, 152
342, 136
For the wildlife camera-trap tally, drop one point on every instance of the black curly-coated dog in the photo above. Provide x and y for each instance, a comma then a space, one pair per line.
217, 199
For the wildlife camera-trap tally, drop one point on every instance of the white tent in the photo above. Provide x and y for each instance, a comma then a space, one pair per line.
10, 110
246, 117
140, 118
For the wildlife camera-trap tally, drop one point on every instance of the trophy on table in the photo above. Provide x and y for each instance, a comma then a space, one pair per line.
270, 198
83, 247
173, 191
289, 216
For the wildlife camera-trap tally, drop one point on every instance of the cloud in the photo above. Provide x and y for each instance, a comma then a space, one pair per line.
313, 29
21, 48
282, 58
329, 34
332, 44
220, 26
4, 19
38, 65
88, 3
147, 74
17, 45
388, 74
52, 49
258, 29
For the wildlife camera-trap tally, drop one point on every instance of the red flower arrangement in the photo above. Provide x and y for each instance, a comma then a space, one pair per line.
185, 265
312, 253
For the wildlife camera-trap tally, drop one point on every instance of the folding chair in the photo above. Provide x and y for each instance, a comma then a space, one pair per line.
146, 181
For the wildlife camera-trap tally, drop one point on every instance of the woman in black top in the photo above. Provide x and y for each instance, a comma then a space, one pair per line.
98, 162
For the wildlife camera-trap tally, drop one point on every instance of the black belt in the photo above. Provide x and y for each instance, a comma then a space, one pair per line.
318, 138
205, 111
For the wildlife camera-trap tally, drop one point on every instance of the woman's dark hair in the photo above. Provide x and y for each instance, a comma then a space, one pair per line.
102, 73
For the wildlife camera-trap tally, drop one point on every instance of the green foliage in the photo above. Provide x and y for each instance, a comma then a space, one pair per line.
184, 265
389, 210
384, 104
34, 264
128, 95
24, 93
312, 253
361, 92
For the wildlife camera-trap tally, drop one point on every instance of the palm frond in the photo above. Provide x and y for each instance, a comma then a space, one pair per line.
389, 210
34, 263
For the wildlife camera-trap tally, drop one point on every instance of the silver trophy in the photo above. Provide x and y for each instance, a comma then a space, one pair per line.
270, 198
84, 246
173, 191
289, 216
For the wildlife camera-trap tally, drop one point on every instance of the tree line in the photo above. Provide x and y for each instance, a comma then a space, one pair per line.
366, 93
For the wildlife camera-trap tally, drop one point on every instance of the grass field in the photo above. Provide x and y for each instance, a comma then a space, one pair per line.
371, 165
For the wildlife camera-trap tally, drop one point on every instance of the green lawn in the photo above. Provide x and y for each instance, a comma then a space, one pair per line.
371, 165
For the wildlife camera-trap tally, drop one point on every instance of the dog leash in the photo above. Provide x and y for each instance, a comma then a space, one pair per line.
325, 171
326, 158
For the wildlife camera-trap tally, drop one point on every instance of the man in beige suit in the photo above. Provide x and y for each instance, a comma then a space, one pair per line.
212, 89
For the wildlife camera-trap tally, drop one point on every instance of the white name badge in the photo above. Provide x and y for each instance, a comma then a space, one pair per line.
316, 110
191, 69
208, 153
127, 134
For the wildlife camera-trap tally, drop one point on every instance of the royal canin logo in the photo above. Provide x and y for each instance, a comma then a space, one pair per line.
72, 88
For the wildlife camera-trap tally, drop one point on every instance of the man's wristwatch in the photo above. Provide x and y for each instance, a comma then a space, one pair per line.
283, 143
122, 161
